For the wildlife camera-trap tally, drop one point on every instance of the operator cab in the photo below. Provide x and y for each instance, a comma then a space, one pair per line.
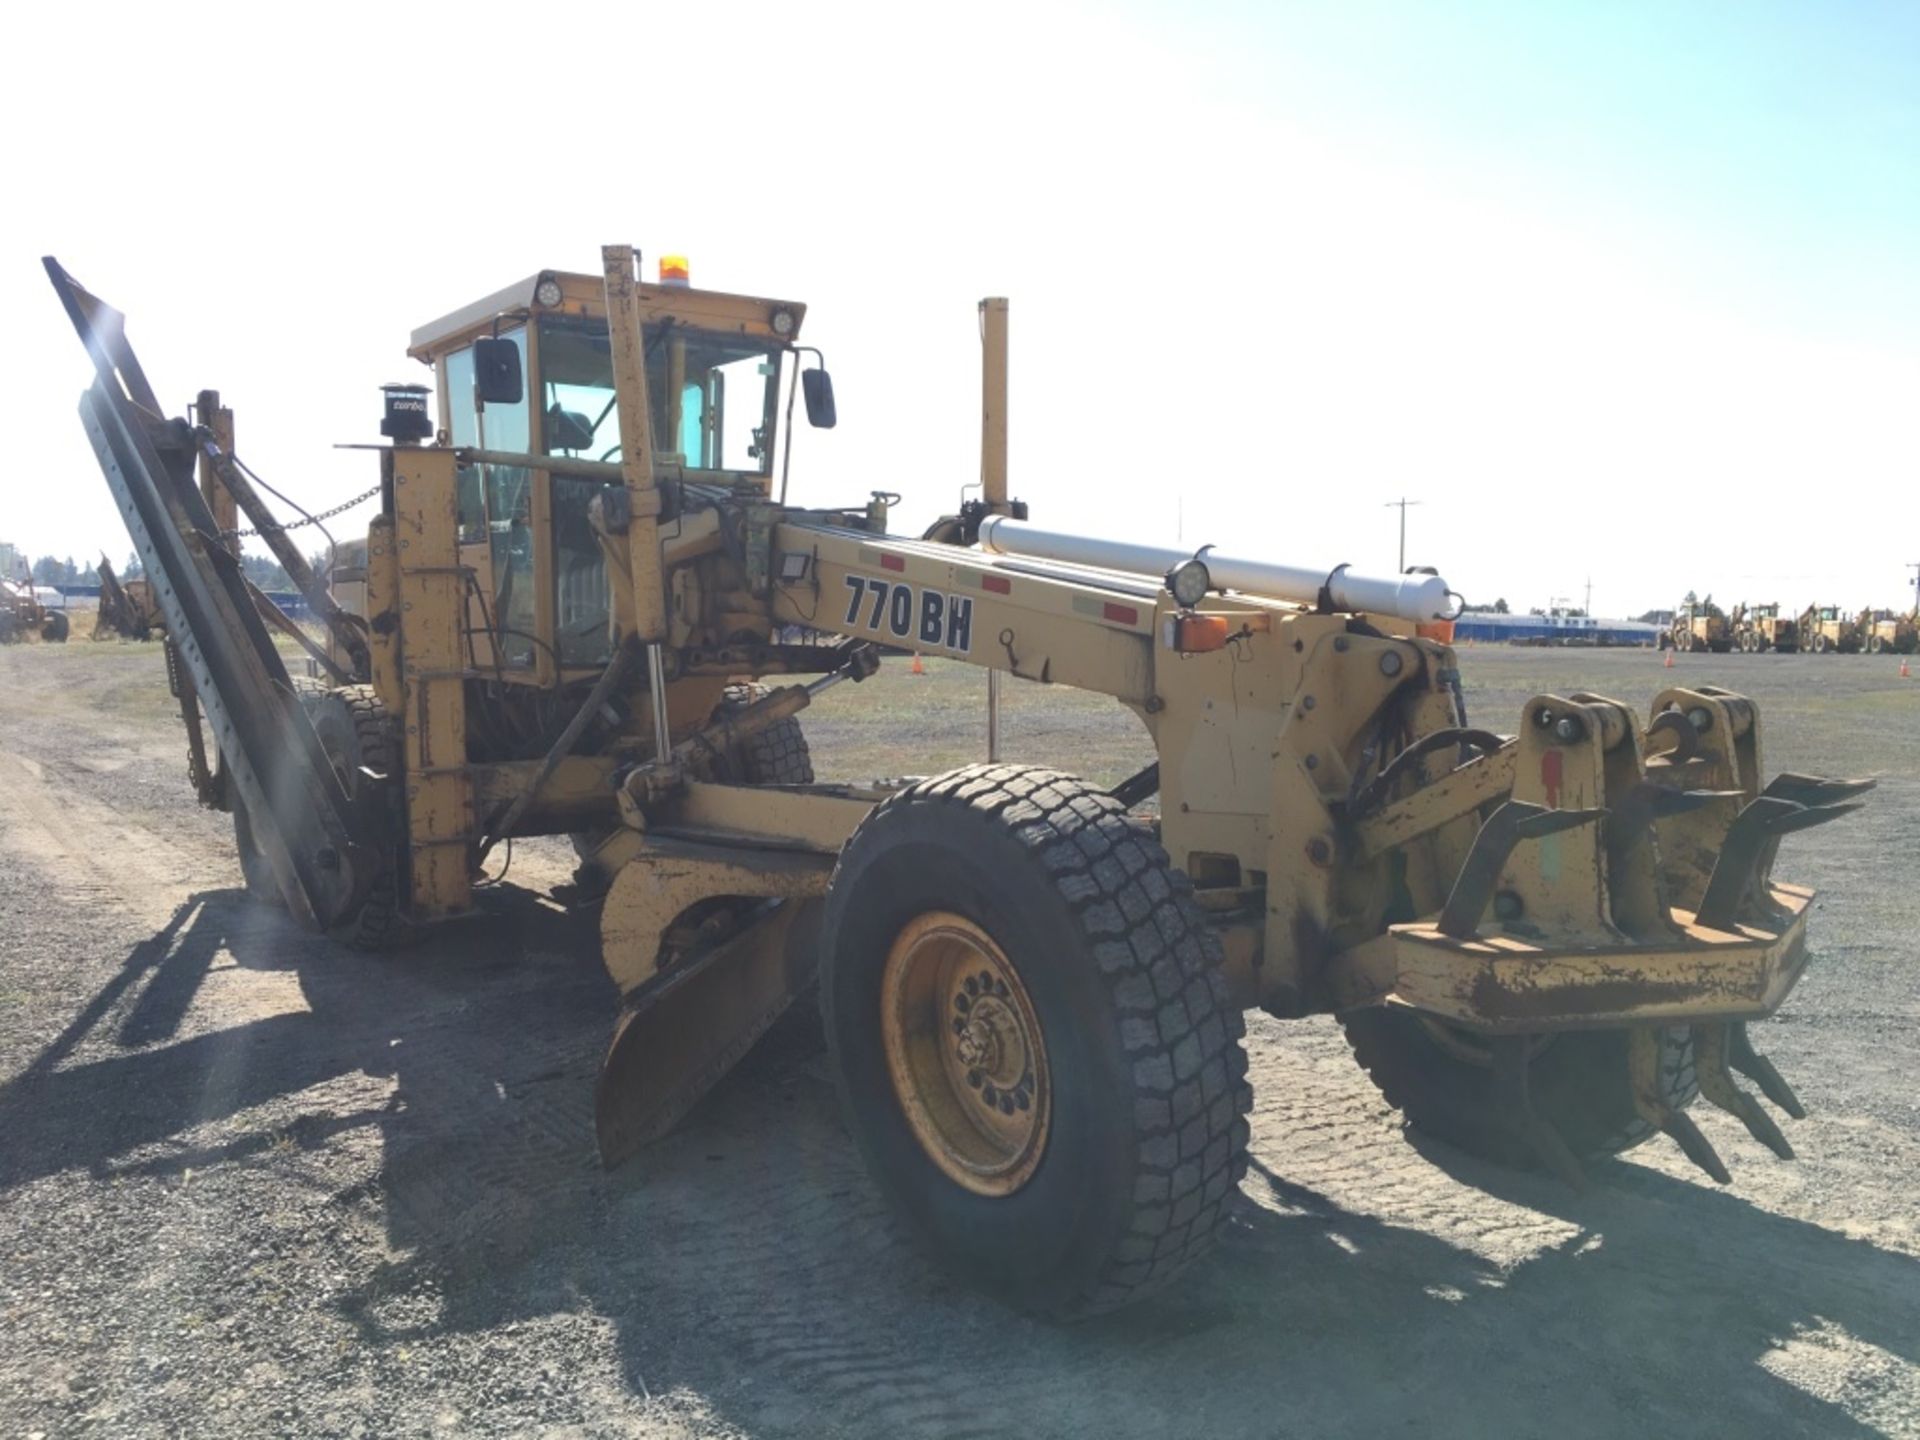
529, 371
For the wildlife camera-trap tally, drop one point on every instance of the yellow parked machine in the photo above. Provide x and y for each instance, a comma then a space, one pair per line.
1764, 628
575, 597
24, 617
127, 608
1700, 628
1827, 630
1888, 631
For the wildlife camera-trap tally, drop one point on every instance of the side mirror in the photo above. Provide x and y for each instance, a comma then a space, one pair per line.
817, 386
496, 372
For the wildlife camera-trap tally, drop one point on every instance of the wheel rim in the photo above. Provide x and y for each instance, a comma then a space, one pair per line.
965, 1053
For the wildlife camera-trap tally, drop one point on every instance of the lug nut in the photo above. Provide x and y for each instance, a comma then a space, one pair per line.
1569, 728
1390, 663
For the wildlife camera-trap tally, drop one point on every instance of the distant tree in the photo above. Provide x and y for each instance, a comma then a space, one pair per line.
46, 571
1536, 610
1500, 606
265, 572
134, 569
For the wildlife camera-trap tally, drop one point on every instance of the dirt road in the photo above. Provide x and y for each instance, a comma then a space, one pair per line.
254, 1184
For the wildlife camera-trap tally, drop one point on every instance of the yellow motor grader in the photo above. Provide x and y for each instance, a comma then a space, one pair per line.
127, 608
1698, 629
1763, 628
1888, 631
1828, 630
587, 609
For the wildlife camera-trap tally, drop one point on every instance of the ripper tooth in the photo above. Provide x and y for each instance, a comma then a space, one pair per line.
1757, 1068
1710, 1046
1643, 1065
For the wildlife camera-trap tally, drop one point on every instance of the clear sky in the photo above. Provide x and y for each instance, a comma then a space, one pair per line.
1619, 291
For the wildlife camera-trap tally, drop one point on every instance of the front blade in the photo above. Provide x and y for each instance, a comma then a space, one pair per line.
681, 1033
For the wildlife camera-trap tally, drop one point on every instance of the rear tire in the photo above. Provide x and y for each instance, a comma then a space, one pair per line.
56, 628
778, 755
1578, 1081
358, 737
1142, 1087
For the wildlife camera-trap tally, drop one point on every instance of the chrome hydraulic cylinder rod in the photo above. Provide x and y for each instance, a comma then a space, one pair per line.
1408, 597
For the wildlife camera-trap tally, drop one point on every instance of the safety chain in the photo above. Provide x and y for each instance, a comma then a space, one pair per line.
339, 509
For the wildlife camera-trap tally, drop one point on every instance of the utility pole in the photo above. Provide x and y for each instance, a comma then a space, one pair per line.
1914, 565
1589, 608
1402, 504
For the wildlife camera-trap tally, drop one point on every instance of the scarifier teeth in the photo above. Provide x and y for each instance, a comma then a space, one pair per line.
1516, 1109
1643, 1073
1695, 1146
1710, 1048
1757, 1068
1746, 855
1812, 790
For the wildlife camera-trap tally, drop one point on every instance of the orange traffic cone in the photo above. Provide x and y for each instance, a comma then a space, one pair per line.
1669, 659
1906, 671
917, 668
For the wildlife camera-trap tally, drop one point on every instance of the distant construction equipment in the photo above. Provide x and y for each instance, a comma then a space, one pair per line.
24, 617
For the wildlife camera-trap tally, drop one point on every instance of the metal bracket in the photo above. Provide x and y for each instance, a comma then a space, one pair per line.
1513, 822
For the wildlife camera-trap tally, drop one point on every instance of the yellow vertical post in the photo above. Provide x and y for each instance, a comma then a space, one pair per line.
993, 458
383, 614
433, 676
642, 611
993, 404
218, 419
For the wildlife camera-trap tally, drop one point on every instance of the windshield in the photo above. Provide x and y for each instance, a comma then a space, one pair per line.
712, 396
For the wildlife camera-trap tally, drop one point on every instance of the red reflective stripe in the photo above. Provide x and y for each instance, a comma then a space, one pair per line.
1125, 614
893, 562
999, 584
1550, 763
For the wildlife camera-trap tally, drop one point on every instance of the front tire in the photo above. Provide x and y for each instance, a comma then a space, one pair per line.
1068, 1132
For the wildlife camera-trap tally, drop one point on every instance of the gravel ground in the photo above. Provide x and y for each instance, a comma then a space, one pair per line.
252, 1184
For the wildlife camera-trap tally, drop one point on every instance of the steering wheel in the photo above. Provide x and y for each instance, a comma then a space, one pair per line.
610, 452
